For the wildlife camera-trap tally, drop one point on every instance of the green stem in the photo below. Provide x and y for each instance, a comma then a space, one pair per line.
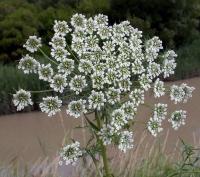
96, 166
71, 52
103, 149
47, 57
105, 160
40, 91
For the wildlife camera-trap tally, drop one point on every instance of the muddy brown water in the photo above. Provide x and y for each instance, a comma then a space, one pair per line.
34, 135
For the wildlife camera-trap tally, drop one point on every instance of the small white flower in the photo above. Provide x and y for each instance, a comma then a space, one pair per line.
32, 44
107, 134
104, 32
22, 99
125, 51
98, 80
153, 70
188, 92
127, 27
58, 41
78, 36
169, 63
145, 82
101, 20
61, 27
168, 67
154, 126
111, 77
66, 66
90, 26
160, 111
118, 31
118, 119
124, 71
99, 68
118, 38
137, 67
113, 95
45, 72
78, 47
152, 47
178, 118
76, 108
170, 55
91, 43
108, 46
111, 63
78, 21
137, 56
85, 66
137, 96
28, 64
78, 83
70, 154
159, 89
125, 141
59, 53
177, 94
51, 105
58, 83
129, 109
97, 56
125, 85
96, 100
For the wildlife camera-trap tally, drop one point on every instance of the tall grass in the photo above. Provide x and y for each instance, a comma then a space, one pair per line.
150, 161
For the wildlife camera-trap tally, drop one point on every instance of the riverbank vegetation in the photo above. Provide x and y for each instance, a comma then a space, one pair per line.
151, 163
176, 22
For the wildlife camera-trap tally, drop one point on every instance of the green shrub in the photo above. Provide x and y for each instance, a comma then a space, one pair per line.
188, 61
18, 20
93, 7
174, 21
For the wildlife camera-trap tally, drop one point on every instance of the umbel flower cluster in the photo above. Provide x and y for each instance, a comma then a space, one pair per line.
107, 69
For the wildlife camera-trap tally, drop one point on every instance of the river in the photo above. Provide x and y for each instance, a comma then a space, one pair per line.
34, 135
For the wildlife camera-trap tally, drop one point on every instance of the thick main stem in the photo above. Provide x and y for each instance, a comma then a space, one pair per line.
105, 160
103, 150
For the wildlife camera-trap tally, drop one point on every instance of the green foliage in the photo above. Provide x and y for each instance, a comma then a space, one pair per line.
188, 61
47, 17
18, 21
157, 164
176, 22
92, 7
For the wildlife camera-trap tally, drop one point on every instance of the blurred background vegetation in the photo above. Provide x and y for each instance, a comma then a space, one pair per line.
176, 22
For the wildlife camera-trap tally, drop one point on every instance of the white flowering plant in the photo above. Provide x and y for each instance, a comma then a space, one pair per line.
107, 69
